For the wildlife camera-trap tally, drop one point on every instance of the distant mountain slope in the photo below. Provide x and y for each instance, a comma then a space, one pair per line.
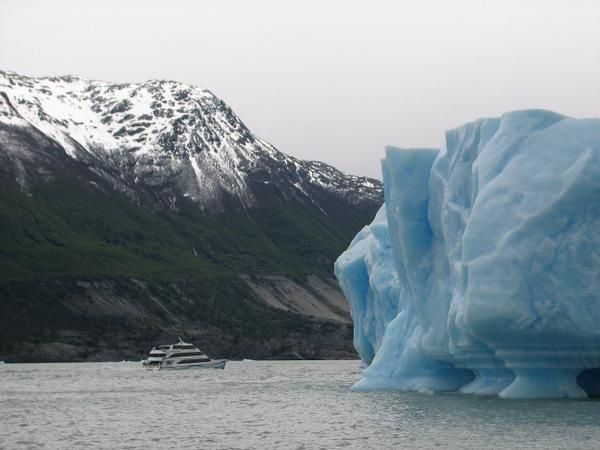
172, 141
134, 211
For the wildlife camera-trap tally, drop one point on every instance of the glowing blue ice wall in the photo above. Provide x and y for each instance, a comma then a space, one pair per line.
482, 271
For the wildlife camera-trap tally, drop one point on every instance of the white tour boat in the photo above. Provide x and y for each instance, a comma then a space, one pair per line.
180, 356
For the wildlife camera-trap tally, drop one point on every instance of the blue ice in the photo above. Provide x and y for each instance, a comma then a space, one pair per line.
481, 273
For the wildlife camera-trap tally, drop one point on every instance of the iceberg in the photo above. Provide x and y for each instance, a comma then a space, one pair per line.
481, 272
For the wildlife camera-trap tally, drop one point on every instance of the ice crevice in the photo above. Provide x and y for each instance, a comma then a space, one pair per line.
481, 272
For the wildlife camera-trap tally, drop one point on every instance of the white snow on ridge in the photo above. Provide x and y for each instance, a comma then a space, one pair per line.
151, 123
94, 112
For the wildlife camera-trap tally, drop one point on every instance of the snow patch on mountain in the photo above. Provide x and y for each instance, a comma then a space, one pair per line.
166, 135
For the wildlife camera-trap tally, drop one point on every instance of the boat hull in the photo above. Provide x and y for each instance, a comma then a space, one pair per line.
214, 364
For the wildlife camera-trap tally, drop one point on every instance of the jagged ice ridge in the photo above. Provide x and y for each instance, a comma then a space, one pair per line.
481, 273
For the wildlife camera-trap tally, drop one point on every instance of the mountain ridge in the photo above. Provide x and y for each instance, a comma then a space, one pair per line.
151, 132
108, 244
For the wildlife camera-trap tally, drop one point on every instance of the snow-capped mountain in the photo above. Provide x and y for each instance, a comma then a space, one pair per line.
166, 141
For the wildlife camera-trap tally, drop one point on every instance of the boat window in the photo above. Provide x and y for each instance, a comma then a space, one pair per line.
182, 354
195, 360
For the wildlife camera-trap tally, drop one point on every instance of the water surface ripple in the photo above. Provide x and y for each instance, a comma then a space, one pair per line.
297, 404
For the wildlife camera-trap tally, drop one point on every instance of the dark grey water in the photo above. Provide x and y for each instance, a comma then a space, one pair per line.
265, 405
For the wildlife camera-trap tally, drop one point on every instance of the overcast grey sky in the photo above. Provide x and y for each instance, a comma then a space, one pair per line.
329, 80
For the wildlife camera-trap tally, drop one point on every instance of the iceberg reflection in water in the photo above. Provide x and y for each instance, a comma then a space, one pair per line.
482, 270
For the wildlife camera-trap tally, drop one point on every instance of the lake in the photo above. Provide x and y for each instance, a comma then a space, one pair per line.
264, 404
